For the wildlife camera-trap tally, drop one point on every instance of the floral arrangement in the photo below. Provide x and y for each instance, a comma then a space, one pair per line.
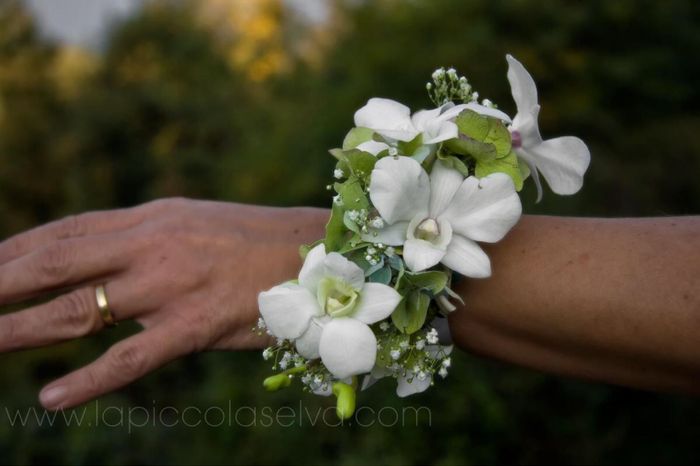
414, 195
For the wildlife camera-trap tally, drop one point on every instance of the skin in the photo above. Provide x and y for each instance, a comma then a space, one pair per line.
611, 300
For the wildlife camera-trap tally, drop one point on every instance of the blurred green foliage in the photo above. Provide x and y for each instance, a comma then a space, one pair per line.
162, 112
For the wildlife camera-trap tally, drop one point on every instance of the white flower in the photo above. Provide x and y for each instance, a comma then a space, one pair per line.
338, 173
562, 161
329, 311
439, 217
432, 336
393, 120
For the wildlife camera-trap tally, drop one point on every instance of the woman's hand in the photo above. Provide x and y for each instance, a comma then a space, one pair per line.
188, 271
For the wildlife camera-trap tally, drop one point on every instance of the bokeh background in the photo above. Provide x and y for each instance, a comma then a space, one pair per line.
240, 100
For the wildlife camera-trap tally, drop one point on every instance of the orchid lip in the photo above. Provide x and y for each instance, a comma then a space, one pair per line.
516, 139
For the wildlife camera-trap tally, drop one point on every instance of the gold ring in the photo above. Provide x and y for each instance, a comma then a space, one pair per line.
103, 306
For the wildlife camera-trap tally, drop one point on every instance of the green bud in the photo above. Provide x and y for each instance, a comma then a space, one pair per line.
345, 406
275, 382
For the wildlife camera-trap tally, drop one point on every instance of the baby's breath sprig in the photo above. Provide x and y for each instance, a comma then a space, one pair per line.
447, 86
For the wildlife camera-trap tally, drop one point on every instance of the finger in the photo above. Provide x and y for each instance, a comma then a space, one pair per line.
62, 263
73, 226
123, 363
72, 315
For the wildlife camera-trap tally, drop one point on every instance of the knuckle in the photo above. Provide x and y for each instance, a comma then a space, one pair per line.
129, 360
70, 226
54, 262
93, 382
198, 331
73, 311
8, 330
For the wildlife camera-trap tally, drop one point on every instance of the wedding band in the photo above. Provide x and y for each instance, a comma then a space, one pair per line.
103, 306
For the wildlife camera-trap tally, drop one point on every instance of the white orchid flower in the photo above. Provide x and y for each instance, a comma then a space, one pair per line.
393, 121
439, 218
329, 311
562, 161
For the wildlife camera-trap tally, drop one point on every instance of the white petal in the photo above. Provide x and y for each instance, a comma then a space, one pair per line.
484, 209
522, 86
348, 347
488, 111
420, 254
444, 183
377, 302
336, 265
390, 235
524, 156
287, 309
423, 118
307, 343
388, 118
451, 111
373, 147
406, 388
399, 189
466, 257
525, 123
562, 162
440, 131
313, 270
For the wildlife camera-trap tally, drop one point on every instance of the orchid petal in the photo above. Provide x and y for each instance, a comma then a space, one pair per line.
307, 343
377, 302
420, 254
440, 131
466, 257
522, 86
390, 235
373, 147
388, 118
399, 189
313, 269
336, 265
444, 183
487, 111
287, 309
563, 162
416, 385
347, 347
484, 209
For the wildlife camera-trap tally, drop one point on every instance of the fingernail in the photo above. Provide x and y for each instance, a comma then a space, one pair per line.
53, 397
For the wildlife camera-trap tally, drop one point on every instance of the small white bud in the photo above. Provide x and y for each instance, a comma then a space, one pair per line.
338, 173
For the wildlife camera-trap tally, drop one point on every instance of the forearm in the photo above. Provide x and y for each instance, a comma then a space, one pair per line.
616, 300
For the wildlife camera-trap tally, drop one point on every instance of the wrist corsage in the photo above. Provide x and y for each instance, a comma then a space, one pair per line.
415, 194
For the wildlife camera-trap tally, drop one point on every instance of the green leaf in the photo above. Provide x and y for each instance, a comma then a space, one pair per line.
508, 165
335, 229
486, 130
352, 194
410, 314
395, 262
357, 136
382, 276
473, 148
349, 224
410, 147
433, 281
451, 161
373, 268
360, 163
